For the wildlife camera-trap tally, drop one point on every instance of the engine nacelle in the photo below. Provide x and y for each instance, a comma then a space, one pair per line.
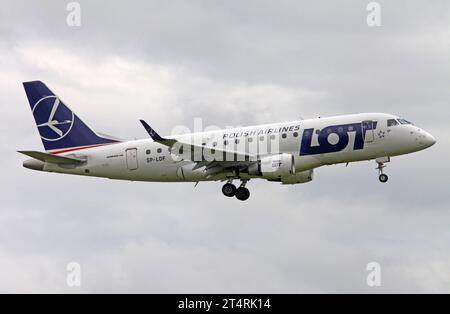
299, 177
273, 167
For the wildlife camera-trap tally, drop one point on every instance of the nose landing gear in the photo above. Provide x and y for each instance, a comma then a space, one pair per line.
382, 177
230, 190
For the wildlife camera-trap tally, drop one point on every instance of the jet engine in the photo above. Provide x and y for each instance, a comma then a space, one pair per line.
273, 167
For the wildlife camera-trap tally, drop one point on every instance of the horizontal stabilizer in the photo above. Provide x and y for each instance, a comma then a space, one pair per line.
54, 159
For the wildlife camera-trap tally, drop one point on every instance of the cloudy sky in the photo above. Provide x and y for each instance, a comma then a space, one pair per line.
229, 63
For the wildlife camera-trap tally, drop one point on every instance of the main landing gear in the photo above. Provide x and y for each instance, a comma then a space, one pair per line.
382, 177
241, 193
229, 189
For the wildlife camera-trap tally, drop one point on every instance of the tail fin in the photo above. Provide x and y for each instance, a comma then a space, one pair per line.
60, 129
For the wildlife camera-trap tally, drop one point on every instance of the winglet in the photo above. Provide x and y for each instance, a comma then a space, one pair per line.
155, 136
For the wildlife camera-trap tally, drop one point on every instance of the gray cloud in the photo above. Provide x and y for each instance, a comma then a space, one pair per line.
230, 63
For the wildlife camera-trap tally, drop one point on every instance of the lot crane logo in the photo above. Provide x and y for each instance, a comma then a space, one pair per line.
54, 120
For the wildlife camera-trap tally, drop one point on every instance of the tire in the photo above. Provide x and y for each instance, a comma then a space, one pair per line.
383, 178
229, 190
242, 194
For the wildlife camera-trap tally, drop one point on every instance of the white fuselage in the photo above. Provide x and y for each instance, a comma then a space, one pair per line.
146, 160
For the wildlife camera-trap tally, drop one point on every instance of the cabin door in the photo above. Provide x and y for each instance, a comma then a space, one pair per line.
131, 155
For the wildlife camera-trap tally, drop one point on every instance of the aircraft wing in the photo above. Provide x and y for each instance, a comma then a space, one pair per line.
50, 158
239, 158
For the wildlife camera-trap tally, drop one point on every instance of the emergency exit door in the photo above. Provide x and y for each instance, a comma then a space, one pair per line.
131, 155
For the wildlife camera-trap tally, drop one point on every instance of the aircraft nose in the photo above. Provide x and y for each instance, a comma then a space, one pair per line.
427, 140
423, 138
430, 140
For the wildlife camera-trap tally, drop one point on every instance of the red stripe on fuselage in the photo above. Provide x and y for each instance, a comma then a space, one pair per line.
79, 148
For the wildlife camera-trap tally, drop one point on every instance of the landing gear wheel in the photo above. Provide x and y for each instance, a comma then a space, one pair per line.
380, 161
229, 190
383, 178
242, 193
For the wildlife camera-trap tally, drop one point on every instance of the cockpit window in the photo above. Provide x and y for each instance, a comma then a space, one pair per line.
403, 121
392, 122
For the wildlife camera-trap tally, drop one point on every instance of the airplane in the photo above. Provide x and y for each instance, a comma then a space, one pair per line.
286, 152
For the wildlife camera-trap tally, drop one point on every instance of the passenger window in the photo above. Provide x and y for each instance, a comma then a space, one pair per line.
159, 150
295, 134
283, 135
392, 122
148, 151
